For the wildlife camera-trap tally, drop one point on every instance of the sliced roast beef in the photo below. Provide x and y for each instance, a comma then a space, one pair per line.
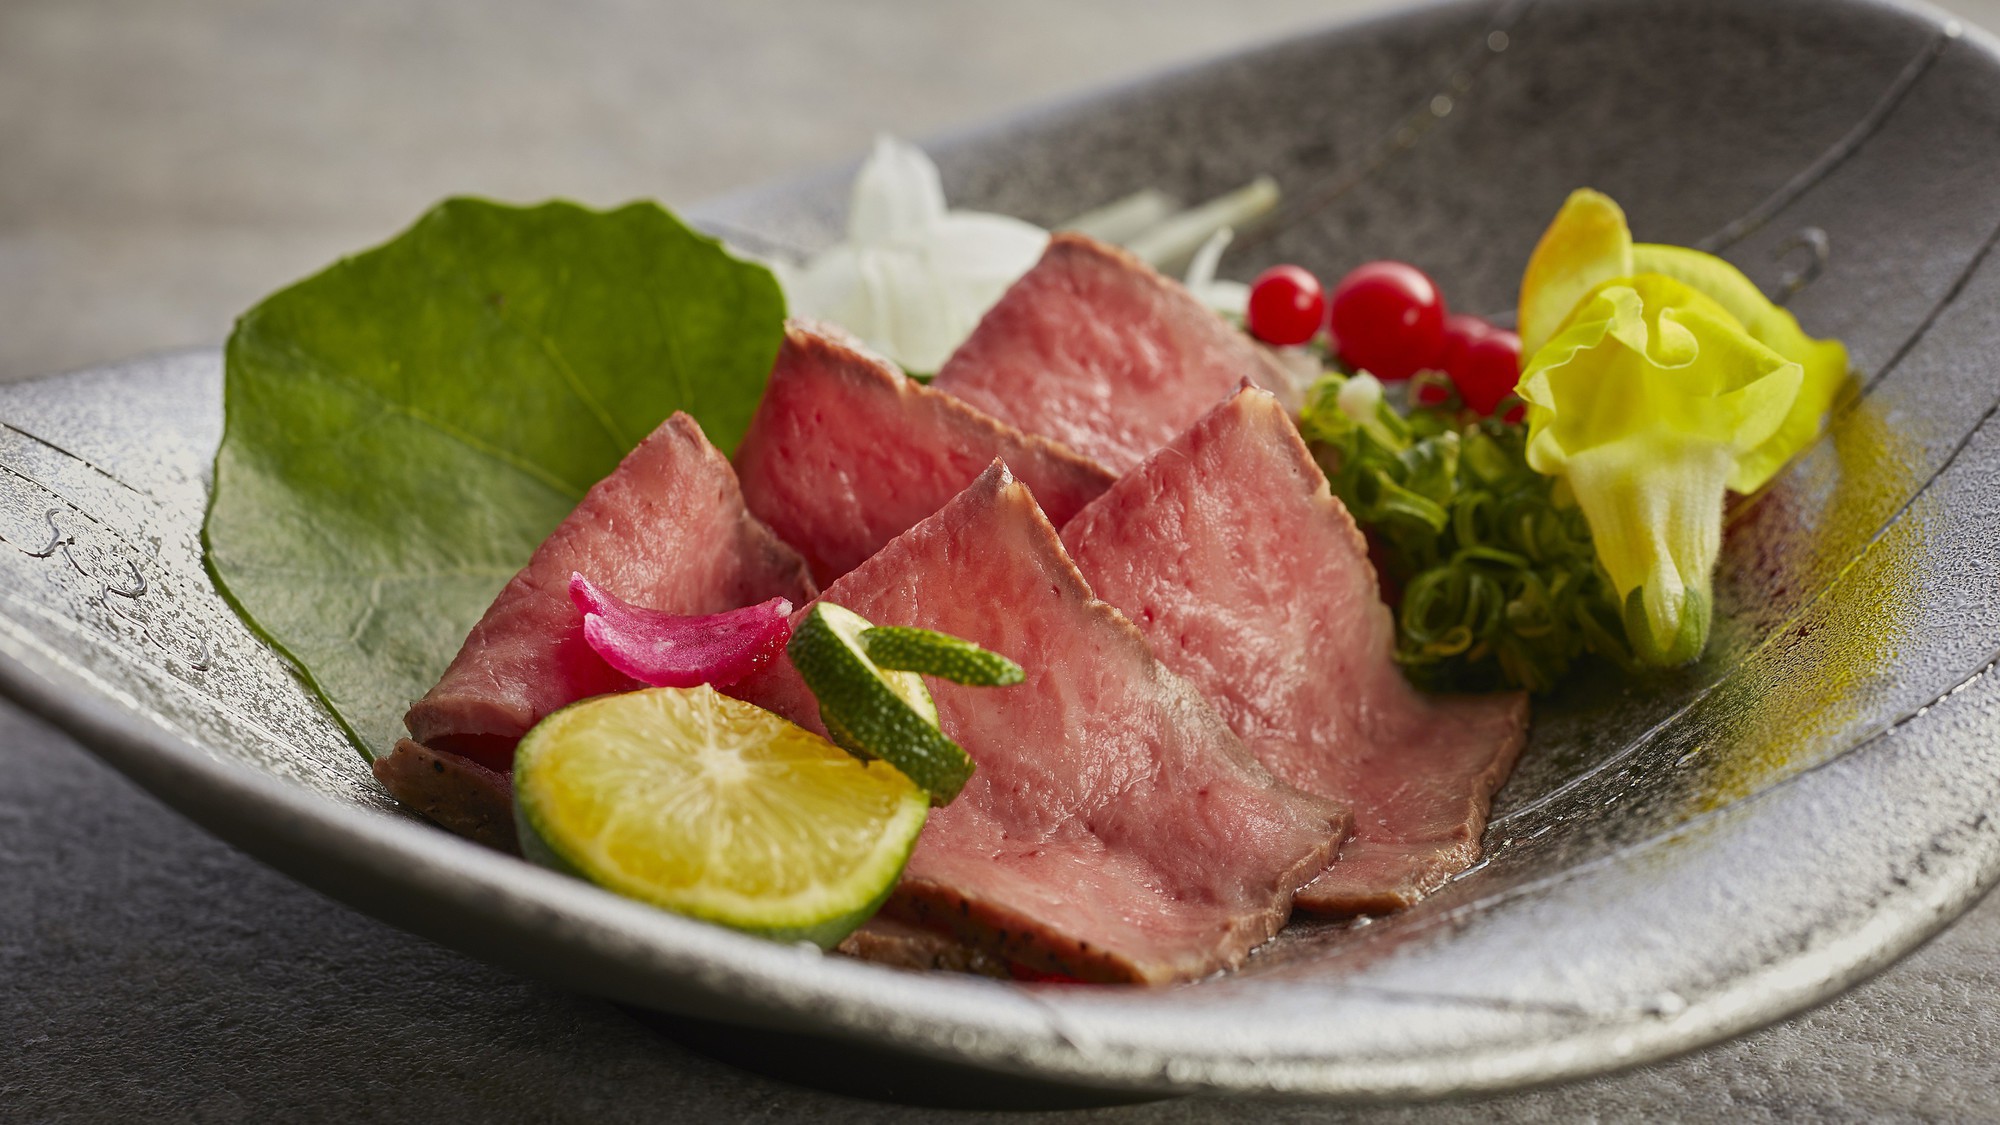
1250, 578
1114, 829
899, 944
1094, 349
453, 792
846, 453
667, 530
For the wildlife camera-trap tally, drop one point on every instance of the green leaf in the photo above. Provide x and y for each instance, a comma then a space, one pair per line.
403, 429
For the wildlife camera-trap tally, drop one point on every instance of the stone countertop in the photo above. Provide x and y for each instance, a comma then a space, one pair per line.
164, 165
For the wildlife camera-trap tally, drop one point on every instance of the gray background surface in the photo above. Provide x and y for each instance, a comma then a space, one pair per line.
163, 165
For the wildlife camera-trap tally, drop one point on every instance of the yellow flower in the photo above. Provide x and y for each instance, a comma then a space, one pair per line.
1657, 378
1646, 404
1823, 363
1587, 245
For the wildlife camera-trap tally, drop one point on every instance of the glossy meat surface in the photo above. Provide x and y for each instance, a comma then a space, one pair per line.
1094, 349
846, 453
1115, 829
1249, 578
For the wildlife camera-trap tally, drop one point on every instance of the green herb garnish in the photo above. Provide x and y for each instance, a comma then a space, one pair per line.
1499, 580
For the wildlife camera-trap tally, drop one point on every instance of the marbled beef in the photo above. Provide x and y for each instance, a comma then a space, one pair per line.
1250, 579
1115, 829
1094, 349
666, 530
846, 453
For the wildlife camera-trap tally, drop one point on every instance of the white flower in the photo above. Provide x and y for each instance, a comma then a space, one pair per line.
1232, 297
912, 279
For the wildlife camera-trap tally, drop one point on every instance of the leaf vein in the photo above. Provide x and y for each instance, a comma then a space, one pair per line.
310, 365
621, 444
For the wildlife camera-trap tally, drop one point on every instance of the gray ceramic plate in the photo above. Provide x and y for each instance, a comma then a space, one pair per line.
1675, 862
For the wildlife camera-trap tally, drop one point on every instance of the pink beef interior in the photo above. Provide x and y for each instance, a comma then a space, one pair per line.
1115, 829
1249, 578
667, 530
1094, 349
846, 453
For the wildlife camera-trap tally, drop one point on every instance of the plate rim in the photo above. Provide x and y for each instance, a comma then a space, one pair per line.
340, 849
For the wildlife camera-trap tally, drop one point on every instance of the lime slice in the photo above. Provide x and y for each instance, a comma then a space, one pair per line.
707, 806
872, 712
904, 649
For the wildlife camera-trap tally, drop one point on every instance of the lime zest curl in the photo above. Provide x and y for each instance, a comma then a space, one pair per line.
901, 648
872, 698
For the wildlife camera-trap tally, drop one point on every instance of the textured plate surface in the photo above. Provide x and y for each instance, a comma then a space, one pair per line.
1676, 861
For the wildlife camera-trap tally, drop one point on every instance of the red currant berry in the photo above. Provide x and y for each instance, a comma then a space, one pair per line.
1430, 388
1487, 369
1388, 318
1460, 330
1286, 306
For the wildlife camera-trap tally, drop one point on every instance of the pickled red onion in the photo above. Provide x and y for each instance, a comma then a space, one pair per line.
672, 650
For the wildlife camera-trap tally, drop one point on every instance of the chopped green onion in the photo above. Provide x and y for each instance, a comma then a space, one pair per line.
1499, 577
